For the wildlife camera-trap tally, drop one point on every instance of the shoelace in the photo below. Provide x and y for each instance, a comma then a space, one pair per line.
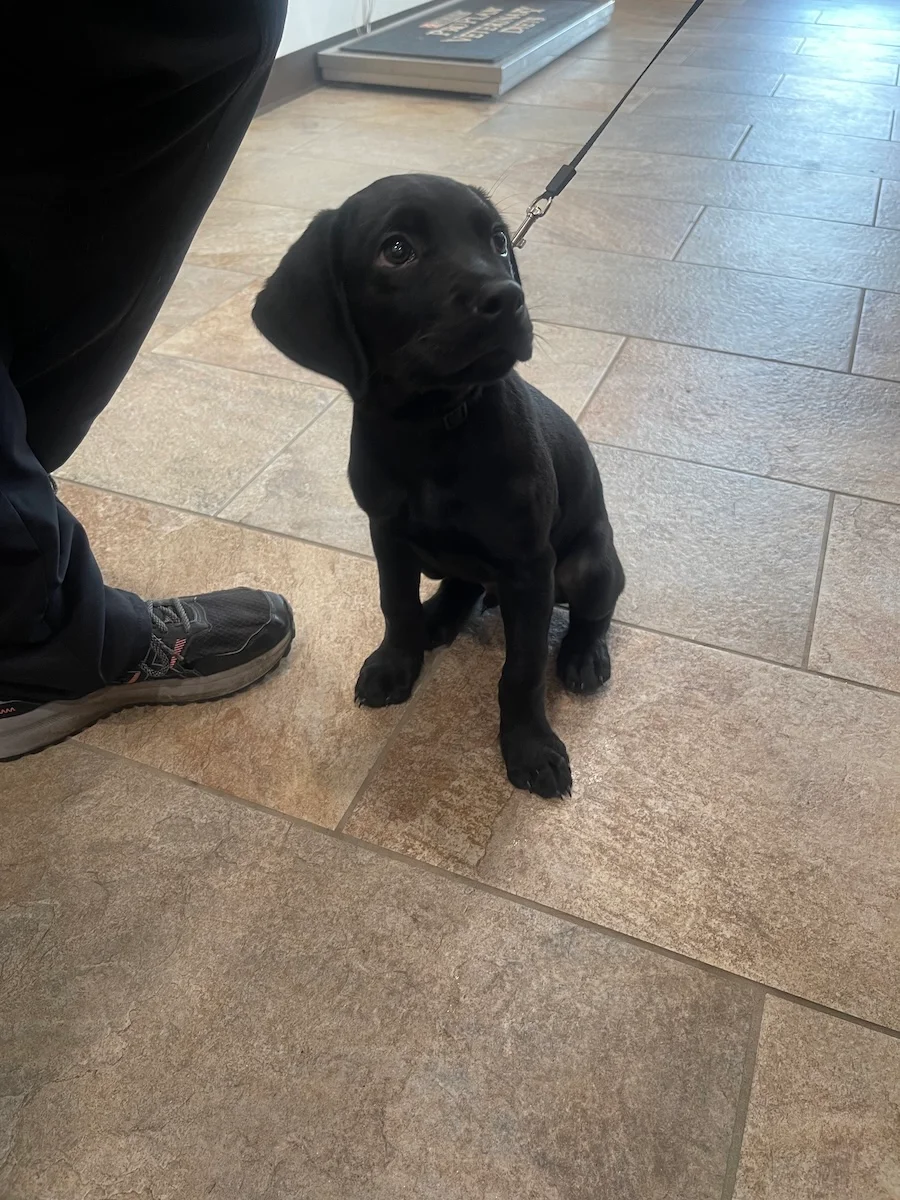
162, 659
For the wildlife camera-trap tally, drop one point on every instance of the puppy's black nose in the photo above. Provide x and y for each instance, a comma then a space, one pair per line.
503, 299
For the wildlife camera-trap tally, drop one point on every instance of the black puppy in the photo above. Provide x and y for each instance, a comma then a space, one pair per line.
408, 295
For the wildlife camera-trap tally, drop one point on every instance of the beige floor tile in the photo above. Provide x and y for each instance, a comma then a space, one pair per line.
840, 91
807, 323
295, 116
191, 434
824, 1113
739, 185
673, 75
768, 10
642, 27
856, 255
830, 47
778, 10
195, 291
857, 630
790, 145
805, 29
227, 337
475, 159
877, 348
828, 116
554, 87
568, 363
294, 181
612, 45
246, 237
377, 107
726, 38
630, 131
305, 492
587, 220
282, 138
724, 558
837, 91
868, 16
206, 998
889, 203
820, 428
843, 66
851, 38
735, 811
299, 743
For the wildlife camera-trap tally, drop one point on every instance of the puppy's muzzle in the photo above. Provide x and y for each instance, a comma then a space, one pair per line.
499, 301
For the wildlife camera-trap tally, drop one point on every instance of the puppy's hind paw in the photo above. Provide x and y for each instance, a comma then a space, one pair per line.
387, 677
583, 667
539, 765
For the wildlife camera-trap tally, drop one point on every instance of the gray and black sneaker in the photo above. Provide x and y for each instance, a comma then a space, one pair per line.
201, 648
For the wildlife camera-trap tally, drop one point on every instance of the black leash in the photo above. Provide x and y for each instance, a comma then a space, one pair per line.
564, 176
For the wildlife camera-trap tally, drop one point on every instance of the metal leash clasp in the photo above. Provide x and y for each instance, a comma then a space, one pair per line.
536, 209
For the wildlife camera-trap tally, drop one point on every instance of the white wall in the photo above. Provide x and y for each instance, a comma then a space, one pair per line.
312, 21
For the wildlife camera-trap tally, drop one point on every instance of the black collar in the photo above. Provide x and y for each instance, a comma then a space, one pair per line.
456, 417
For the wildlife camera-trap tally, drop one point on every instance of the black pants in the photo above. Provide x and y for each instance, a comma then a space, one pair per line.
116, 137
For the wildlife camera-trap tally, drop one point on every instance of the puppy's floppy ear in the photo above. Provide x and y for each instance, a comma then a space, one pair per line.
303, 309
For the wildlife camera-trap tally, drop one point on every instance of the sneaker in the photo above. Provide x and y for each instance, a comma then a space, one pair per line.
201, 648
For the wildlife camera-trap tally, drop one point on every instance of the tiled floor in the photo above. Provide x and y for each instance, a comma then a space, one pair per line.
284, 949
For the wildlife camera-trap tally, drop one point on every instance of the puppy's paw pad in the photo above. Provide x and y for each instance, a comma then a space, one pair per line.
386, 678
541, 767
583, 669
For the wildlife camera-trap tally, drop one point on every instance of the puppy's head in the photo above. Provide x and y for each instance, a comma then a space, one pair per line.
411, 282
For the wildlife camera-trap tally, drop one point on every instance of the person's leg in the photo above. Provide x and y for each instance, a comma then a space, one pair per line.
62, 632
98, 207
102, 196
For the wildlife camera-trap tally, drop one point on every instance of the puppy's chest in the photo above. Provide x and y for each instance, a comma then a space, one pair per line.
434, 505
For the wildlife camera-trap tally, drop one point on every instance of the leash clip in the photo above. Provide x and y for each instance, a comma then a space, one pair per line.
536, 209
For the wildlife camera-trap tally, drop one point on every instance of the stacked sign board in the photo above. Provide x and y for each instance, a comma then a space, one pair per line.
468, 46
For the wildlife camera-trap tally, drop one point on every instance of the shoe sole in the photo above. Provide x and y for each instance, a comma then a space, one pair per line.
61, 719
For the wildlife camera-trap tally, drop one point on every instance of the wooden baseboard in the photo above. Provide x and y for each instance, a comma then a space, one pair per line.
295, 73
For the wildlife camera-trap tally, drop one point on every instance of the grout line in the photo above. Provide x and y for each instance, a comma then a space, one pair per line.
410, 708
755, 271
760, 658
787, 362
857, 328
596, 388
690, 230
817, 586
733, 157
288, 444
587, 172
598, 191
711, 466
743, 1100
874, 220
471, 883
204, 516
893, 126
167, 356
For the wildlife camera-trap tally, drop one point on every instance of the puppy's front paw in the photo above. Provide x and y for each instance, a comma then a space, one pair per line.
538, 763
583, 667
387, 677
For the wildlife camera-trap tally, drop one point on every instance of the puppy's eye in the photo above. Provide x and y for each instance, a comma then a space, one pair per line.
396, 251
501, 242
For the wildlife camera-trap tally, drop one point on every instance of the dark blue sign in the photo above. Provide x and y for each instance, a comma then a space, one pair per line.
473, 30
